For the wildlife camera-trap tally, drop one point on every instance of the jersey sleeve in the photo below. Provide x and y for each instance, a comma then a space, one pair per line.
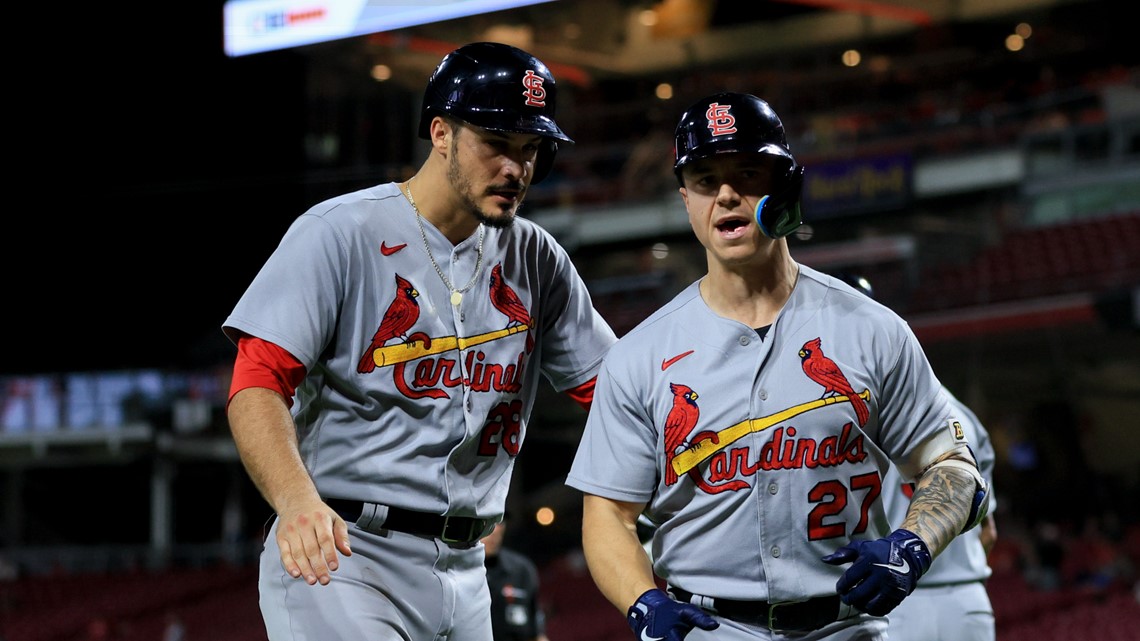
982, 447
293, 300
914, 404
897, 501
575, 336
616, 457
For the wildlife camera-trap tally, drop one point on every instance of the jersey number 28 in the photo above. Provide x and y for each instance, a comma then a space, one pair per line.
503, 427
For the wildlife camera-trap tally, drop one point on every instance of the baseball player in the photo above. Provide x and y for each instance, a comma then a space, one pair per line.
950, 603
389, 353
753, 418
516, 614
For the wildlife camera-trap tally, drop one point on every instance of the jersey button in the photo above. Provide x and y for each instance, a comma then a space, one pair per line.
763, 394
744, 340
773, 488
775, 551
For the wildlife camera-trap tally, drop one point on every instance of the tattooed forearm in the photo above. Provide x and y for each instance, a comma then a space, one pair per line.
940, 506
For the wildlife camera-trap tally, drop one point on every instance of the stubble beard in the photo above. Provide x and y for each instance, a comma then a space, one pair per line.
460, 183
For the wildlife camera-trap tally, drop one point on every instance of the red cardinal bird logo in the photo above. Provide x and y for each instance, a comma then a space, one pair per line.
678, 425
401, 315
824, 371
507, 301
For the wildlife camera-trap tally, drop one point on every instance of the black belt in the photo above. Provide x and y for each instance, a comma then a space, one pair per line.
798, 616
449, 529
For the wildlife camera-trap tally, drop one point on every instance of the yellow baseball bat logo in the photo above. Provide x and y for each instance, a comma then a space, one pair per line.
696, 454
413, 349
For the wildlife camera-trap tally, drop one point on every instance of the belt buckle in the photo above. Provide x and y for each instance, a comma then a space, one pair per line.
772, 619
467, 537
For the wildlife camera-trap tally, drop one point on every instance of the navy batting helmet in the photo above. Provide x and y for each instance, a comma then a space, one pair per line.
731, 122
499, 87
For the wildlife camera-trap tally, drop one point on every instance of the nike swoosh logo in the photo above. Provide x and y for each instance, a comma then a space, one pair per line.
645, 636
901, 569
665, 364
388, 251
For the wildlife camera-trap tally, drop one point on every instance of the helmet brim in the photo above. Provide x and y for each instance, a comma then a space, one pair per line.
731, 145
538, 125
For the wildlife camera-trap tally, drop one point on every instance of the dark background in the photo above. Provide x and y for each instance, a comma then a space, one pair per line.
154, 182
153, 176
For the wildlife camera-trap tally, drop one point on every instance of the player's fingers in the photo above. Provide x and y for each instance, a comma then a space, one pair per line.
293, 559
328, 540
842, 555
303, 533
319, 549
853, 577
700, 619
318, 568
880, 605
860, 594
340, 533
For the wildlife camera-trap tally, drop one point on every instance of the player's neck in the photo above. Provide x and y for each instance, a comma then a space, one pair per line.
753, 297
433, 201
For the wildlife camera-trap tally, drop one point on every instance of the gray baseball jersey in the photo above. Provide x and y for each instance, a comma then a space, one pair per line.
427, 408
758, 456
950, 602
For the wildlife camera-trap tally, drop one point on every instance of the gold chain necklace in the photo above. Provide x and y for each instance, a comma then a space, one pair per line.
456, 294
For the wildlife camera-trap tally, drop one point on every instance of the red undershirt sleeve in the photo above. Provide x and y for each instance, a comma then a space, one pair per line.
260, 363
584, 393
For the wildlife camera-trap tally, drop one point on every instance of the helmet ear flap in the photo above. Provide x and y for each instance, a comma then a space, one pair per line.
544, 160
778, 214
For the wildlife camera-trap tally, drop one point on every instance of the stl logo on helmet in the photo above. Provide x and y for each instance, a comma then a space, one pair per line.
721, 122
535, 93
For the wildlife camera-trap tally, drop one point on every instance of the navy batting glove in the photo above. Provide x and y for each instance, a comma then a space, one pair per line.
657, 617
884, 572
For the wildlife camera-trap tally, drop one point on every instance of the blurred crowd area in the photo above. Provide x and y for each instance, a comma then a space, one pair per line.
943, 90
925, 106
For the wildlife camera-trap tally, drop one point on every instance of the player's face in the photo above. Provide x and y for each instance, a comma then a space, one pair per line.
490, 171
720, 194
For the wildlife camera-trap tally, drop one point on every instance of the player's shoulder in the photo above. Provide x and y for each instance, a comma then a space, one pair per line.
526, 232
349, 206
674, 321
816, 289
670, 312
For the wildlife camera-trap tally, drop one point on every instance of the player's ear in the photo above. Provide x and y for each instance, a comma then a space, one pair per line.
440, 132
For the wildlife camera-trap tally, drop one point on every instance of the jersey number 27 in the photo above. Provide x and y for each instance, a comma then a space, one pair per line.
831, 498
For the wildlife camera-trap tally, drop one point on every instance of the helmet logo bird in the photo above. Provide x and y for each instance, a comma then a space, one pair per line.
824, 371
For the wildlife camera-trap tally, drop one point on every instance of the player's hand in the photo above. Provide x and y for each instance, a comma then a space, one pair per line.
657, 617
309, 536
884, 572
